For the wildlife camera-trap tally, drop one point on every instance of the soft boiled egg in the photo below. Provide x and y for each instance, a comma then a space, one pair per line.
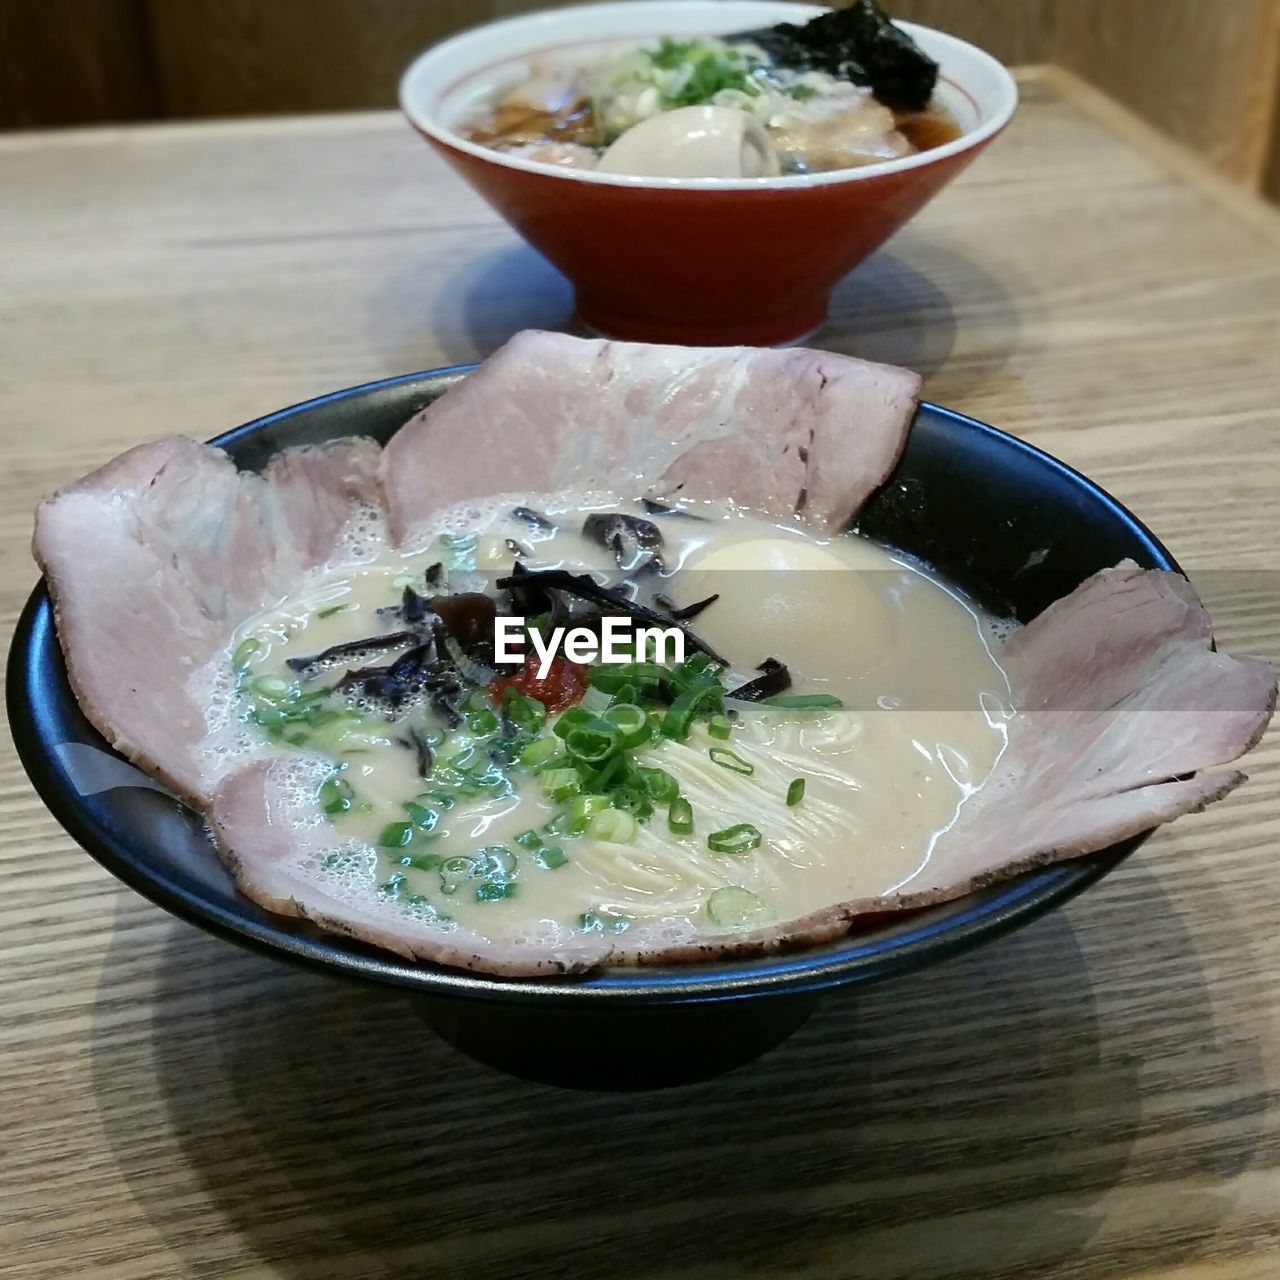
815, 608
694, 142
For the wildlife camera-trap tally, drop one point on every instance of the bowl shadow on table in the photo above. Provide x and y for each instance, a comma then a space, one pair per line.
963, 1122
482, 302
907, 304
892, 308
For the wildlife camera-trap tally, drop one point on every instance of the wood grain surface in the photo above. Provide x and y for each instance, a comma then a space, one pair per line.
1205, 73
1096, 1096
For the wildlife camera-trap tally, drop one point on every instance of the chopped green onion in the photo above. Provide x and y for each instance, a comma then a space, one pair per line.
344, 735
569, 720
478, 780
695, 666
802, 91
313, 715
481, 723
392, 887
422, 818
603, 776
733, 907
660, 785
332, 609
614, 827
270, 688
476, 700
591, 724
630, 721
594, 700
552, 856
803, 700
245, 653
695, 698
560, 784
671, 53
707, 72
581, 810
540, 751
727, 759
633, 800
611, 676
439, 799
735, 840
603, 922
336, 795
720, 727
395, 835
308, 703
495, 891
558, 761
510, 745
680, 816
795, 792
529, 839
422, 861
591, 746
526, 713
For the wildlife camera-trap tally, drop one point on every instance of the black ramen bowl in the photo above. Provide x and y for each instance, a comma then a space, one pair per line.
1008, 524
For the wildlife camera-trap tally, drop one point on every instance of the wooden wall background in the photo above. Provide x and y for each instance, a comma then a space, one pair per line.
1206, 71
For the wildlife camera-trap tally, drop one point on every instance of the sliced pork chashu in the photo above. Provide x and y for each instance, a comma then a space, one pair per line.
152, 562
776, 431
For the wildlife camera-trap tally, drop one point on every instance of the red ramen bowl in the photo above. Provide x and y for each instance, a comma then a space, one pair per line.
703, 261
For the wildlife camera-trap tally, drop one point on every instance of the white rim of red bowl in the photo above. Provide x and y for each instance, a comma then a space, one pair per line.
542, 28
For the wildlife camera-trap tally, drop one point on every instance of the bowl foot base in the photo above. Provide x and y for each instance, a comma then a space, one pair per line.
640, 1047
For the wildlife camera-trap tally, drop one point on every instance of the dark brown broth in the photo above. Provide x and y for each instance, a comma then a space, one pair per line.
927, 129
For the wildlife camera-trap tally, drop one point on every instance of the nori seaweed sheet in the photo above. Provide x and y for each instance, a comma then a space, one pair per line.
858, 44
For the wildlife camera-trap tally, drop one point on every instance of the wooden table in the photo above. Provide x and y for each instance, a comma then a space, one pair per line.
1095, 1096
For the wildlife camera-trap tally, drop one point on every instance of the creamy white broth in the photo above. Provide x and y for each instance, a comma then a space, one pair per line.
921, 726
